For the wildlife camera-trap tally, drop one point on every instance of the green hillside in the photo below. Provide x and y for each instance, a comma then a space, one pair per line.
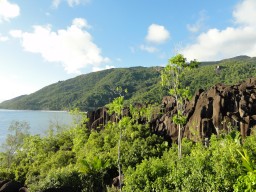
231, 71
89, 91
96, 89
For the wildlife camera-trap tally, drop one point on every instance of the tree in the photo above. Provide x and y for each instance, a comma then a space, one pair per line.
172, 76
19, 130
94, 171
117, 107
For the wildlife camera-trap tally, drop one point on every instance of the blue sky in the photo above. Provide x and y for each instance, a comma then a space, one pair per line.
44, 41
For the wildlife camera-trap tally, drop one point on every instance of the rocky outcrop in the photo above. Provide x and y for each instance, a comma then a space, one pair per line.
99, 118
217, 110
12, 186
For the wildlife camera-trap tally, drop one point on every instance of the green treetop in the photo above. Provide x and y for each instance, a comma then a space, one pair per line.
172, 76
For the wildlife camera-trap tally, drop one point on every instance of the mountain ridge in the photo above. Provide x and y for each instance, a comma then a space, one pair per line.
93, 90
78, 91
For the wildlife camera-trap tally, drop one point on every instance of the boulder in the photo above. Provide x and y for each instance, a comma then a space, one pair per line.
214, 111
220, 109
11, 186
3, 182
23, 189
116, 182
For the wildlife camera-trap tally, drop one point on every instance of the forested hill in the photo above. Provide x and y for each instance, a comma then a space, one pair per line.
92, 90
96, 89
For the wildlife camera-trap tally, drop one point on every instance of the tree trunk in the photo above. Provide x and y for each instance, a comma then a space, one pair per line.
119, 164
179, 142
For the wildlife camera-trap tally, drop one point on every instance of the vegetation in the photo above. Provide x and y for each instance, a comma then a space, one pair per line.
172, 76
93, 90
117, 107
87, 161
79, 159
217, 168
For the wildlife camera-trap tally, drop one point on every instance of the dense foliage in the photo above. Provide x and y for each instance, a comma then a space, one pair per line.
86, 160
76, 157
93, 90
172, 76
79, 159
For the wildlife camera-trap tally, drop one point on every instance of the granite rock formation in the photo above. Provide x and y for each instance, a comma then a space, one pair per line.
219, 109
11, 186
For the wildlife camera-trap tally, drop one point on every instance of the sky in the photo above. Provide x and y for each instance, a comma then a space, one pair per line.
46, 41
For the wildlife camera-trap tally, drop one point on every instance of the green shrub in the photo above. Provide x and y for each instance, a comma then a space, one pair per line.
56, 178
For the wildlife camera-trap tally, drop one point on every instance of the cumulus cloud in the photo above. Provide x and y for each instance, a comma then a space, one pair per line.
244, 13
16, 33
216, 44
79, 22
8, 10
157, 34
72, 47
71, 3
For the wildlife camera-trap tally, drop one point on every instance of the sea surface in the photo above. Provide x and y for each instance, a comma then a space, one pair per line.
39, 121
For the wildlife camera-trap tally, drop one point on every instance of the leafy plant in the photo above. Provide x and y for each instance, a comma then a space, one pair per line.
172, 76
246, 182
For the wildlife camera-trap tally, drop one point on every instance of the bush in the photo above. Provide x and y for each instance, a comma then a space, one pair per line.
200, 169
246, 182
59, 178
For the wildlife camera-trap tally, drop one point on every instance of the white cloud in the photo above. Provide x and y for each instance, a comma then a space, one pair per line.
157, 34
8, 10
245, 13
94, 69
218, 44
193, 27
16, 33
79, 22
196, 27
3, 38
149, 49
71, 3
72, 47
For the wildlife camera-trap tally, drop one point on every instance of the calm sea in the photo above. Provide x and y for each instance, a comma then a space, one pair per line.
39, 121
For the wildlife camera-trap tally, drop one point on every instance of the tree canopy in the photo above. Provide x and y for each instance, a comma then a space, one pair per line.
93, 90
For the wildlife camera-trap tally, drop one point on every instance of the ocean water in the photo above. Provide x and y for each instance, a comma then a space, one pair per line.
39, 121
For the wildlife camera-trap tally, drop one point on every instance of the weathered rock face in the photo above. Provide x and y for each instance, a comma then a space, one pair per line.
11, 186
100, 117
217, 110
